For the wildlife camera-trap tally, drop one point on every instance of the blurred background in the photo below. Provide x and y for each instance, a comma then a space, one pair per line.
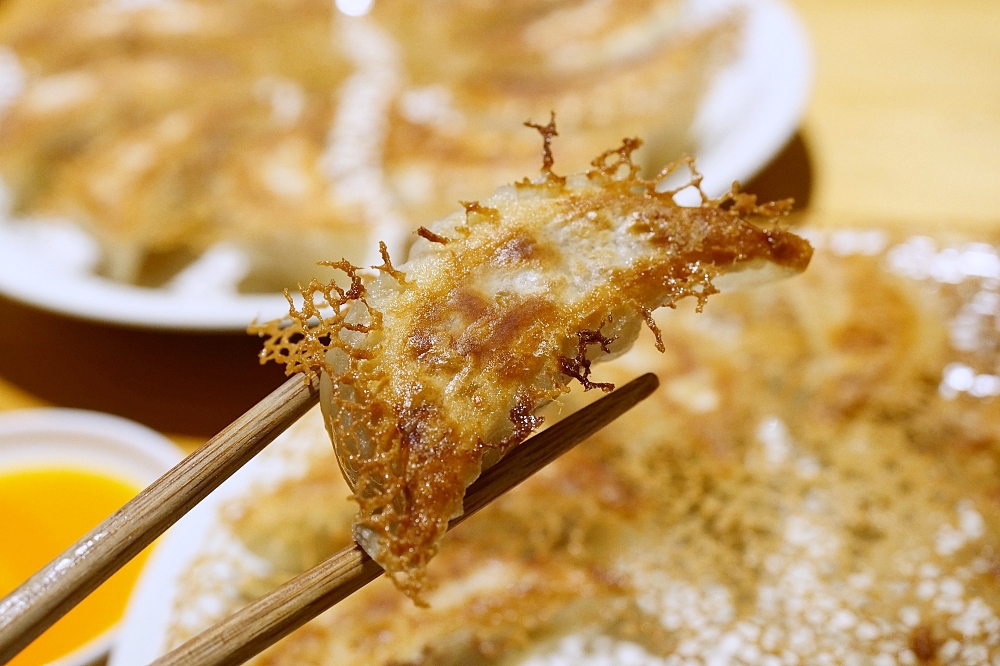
902, 128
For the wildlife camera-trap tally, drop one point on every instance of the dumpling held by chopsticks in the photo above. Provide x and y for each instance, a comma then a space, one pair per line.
435, 368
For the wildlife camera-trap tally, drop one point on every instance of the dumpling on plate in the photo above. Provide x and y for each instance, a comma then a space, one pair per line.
814, 481
288, 131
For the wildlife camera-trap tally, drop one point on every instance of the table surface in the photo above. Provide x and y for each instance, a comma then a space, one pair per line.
903, 127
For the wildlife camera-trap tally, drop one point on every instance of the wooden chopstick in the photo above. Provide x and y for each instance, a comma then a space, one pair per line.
264, 621
48, 595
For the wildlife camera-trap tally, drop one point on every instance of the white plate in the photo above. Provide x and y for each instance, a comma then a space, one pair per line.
750, 112
89, 441
203, 533
755, 104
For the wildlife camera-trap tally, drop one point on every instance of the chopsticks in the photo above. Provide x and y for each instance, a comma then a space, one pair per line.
51, 592
264, 621
48, 595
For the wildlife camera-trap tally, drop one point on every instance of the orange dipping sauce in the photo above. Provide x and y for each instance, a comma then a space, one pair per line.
44, 510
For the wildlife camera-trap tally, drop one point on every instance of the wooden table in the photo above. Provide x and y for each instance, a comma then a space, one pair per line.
904, 124
903, 128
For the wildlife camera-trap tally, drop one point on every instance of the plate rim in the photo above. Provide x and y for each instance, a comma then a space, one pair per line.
145, 625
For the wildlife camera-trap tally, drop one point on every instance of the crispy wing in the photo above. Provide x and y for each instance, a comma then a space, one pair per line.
436, 368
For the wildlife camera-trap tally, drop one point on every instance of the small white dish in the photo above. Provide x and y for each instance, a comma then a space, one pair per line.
90, 441
751, 110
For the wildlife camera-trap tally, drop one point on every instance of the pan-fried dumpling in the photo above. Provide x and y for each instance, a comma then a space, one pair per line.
435, 368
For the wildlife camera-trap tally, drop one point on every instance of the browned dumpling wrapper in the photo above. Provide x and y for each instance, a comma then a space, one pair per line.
436, 368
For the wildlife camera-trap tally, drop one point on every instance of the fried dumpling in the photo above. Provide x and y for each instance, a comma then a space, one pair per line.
435, 368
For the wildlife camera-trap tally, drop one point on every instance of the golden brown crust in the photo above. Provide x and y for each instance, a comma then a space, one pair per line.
439, 365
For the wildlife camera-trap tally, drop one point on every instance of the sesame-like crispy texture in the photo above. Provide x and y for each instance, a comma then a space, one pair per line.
435, 369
